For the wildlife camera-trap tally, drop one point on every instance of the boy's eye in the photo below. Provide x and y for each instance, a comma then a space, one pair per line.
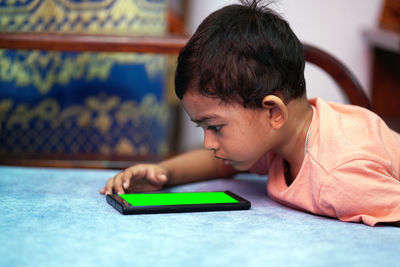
215, 129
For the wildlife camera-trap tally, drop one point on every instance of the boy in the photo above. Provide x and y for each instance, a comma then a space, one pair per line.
240, 78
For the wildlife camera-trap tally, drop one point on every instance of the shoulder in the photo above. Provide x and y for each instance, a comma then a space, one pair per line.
343, 111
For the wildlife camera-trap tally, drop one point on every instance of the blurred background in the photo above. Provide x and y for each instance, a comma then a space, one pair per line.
84, 105
113, 106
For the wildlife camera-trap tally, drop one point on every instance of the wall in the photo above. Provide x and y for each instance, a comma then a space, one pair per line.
336, 26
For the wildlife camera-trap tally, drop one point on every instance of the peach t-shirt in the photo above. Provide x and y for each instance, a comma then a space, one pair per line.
351, 168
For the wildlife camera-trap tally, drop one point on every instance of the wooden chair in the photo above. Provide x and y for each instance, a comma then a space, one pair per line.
172, 45
340, 74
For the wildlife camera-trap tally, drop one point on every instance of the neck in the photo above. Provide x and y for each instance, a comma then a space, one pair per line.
294, 135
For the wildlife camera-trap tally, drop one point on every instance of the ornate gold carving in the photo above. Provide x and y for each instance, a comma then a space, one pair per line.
5, 106
86, 4
103, 119
148, 108
44, 70
125, 147
46, 110
14, 6
139, 17
46, 125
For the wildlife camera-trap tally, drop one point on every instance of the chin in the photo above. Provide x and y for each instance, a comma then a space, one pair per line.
239, 166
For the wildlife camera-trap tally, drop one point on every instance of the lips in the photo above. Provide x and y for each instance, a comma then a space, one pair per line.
225, 161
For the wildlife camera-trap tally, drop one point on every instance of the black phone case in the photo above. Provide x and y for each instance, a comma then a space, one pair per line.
125, 208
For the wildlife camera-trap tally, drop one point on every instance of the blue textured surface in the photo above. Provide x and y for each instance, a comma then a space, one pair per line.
56, 217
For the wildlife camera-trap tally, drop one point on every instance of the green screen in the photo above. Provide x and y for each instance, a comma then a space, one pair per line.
177, 198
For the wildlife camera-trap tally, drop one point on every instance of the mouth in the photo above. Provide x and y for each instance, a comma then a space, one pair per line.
225, 161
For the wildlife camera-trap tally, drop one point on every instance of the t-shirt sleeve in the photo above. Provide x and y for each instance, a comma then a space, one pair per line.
361, 191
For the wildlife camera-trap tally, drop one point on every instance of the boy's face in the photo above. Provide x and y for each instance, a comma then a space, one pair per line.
237, 135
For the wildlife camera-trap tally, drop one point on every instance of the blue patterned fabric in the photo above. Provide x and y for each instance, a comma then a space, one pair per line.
94, 103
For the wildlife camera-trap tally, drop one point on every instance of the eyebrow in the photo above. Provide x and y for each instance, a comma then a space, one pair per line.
204, 118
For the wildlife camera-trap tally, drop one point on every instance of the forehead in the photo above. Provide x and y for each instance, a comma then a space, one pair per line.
203, 108
198, 105
194, 98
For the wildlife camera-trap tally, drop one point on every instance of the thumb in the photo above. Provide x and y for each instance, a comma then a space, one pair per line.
162, 178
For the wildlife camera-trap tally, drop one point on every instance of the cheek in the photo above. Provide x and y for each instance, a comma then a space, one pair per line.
237, 143
252, 142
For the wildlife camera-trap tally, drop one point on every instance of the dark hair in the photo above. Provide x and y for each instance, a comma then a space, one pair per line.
242, 53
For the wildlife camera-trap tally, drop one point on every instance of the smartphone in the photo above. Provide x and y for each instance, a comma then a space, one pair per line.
145, 203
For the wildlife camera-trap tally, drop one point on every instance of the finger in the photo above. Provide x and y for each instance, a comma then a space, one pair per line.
131, 177
126, 178
102, 191
151, 176
118, 184
162, 178
109, 186
155, 177
142, 173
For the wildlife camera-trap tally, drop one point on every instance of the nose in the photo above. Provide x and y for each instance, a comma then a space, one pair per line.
210, 141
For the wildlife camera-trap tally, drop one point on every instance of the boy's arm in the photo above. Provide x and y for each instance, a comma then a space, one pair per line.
189, 167
195, 166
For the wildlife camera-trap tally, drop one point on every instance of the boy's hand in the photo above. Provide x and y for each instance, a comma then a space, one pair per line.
138, 178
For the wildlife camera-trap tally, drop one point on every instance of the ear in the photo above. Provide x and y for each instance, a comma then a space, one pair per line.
276, 110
